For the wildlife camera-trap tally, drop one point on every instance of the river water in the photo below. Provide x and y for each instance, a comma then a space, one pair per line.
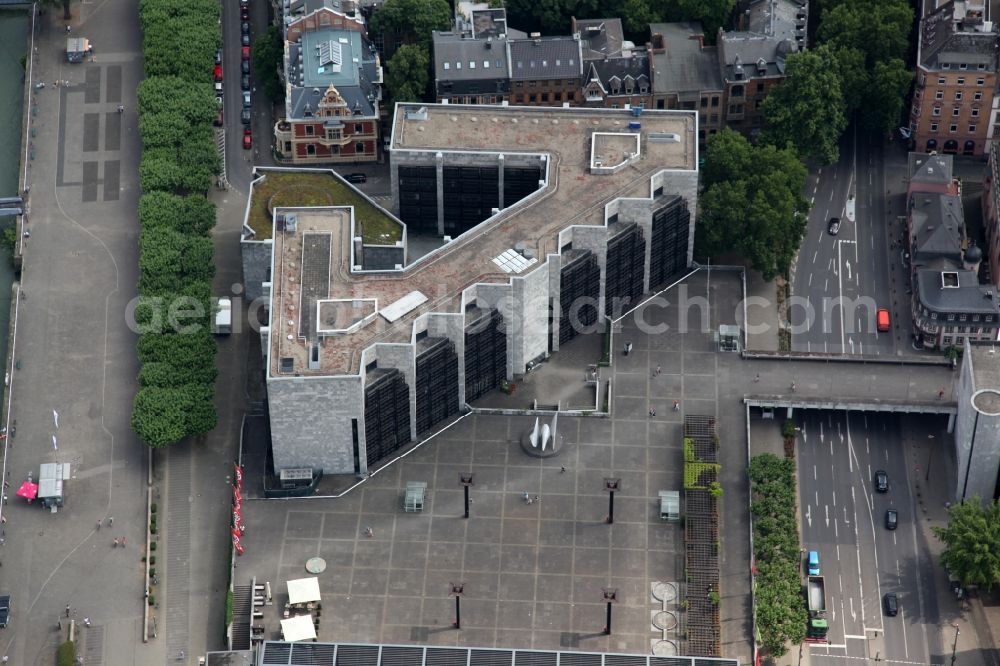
15, 26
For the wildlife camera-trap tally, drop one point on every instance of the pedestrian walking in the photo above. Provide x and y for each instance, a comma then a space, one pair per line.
793, 387
111, 521
369, 532
940, 394
756, 378
115, 543
562, 470
86, 621
98, 524
69, 29
677, 405
658, 369
123, 538
67, 610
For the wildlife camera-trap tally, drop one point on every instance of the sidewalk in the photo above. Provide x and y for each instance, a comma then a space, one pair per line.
932, 464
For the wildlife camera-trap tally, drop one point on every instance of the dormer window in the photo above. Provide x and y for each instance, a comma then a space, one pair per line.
472, 64
486, 64
447, 65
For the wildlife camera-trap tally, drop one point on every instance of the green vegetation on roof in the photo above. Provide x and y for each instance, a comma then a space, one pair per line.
300, 189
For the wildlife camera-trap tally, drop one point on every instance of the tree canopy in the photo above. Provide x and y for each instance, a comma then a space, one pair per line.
406, 73
972, 542
807, 110
179, 160
752, 202
413, 19
268, 54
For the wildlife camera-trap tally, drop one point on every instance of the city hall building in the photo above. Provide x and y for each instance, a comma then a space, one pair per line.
548, 221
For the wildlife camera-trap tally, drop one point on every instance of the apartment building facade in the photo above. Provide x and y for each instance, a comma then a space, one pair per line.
955, 95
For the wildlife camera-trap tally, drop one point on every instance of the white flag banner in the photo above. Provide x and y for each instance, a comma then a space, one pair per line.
55, 445
55, 417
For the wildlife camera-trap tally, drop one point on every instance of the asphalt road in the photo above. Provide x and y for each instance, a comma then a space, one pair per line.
844, 519
850, 267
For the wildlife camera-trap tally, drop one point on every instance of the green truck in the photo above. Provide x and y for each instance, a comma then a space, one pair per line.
816, 600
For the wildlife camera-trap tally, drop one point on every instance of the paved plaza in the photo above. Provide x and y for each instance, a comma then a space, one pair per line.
533, 572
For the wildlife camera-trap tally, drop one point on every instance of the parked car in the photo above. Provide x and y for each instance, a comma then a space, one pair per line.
219, 119
245, 39
217, 72
813, 563
891, 604
245, 66
245, 27
218, 56
218, 89
245, 82
356, 178
246, 99
245, 116
244, 13
891, 519
834, 226
244, 3
247, 139
245, 53
4, 611
881, 481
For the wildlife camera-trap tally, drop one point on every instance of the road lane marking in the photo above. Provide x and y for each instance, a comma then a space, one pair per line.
814, 473
815, 254
840, 295
835, 498
887, 661
855, 638
836, 532
902, 621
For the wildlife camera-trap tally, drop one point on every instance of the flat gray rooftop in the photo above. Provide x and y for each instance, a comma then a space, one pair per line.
574, 195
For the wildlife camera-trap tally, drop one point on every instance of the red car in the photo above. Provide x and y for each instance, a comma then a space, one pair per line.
245, 52
244, 13
247, 139
218, 72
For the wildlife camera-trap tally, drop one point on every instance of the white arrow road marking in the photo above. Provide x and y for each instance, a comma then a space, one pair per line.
847, 264
827, 507
809, 518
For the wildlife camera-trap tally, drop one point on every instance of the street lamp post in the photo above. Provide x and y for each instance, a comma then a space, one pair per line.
954, 645
466, 482
610, 597
611, 485
457, 589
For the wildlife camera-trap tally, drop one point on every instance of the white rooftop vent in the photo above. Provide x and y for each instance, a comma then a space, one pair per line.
511, 262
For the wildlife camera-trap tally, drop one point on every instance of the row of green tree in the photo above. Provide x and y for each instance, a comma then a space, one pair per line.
408, 70
176, 267
859, 66
781, 615
752, 202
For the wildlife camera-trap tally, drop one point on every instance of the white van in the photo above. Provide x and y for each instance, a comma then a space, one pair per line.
223, 319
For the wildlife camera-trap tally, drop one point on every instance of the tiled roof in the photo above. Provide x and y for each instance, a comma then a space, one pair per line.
749, 48
601, 38
949, 38
937, 227
968, 296
332, 57
636, 67
545, 58
458, 58
684, 66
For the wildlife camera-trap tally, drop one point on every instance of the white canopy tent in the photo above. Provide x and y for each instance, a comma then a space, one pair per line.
303, 590
298, 628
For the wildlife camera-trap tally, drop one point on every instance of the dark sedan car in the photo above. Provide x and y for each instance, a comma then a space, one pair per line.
891, 519
245, 66
245, 39
834, 226
245, 116
245, 82
881, 481
891, 604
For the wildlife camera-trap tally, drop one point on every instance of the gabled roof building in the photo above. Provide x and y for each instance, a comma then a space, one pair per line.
953, 102
332, 92
949, 305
